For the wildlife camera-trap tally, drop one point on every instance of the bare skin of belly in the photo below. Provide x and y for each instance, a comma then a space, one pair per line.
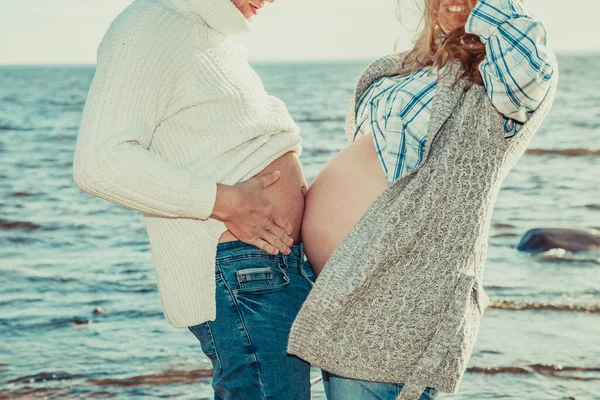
339, 197
287, 194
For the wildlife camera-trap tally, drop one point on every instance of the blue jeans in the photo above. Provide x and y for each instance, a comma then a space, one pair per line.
338, 388
258, 296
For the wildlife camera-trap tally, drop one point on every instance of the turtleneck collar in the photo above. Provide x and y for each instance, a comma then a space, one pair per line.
221, 15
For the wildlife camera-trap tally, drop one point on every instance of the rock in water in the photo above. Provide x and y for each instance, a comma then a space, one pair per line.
574, 240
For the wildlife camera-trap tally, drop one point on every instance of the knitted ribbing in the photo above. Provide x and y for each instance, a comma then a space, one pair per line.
400, 299
174, 108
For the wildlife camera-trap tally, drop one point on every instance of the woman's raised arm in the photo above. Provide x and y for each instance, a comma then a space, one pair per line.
517, 69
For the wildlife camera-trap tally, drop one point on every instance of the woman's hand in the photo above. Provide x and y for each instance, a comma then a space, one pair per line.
251, 217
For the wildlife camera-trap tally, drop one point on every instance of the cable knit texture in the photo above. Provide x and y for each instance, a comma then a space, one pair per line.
400, 300
174, 108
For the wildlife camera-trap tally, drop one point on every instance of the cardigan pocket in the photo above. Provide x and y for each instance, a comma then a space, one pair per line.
448, 328
449, 331
462, 344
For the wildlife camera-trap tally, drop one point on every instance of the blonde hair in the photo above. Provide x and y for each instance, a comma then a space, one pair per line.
434, 48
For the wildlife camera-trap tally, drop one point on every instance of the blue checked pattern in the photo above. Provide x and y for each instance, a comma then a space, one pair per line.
516, 75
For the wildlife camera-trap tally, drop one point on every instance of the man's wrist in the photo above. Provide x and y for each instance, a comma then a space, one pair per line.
226, 200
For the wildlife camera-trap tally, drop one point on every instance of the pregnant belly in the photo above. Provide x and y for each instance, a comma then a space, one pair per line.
287, 194
339, 197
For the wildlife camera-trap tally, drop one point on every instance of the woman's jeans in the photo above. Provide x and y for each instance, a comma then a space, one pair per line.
258, 296
337, 388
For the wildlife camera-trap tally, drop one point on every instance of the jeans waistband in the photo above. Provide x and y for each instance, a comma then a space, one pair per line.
229, 251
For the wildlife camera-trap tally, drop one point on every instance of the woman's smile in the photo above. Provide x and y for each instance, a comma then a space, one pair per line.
452, 14
456, 9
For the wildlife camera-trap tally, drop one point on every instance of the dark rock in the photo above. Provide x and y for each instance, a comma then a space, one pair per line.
80, 321
574, 240
21, 225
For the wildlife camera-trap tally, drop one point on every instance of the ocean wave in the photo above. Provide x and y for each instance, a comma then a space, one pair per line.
65, 103
573, 260
168, 377
510, 305
5, 127
564, 152
506, 235
46, 377
85, 387
318, 152
549, 370
503, 226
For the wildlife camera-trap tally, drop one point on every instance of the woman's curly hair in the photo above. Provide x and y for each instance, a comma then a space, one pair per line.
434, 48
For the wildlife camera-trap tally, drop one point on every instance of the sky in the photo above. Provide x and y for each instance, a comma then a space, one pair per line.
68, 31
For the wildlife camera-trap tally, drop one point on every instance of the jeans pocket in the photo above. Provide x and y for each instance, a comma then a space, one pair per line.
262, 277
203, 333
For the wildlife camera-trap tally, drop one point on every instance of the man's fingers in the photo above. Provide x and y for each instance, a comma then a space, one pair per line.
281, 234
283, 224
264, 246
269, 178
276, 242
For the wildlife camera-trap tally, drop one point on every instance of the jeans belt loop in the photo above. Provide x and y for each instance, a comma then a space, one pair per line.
284, 260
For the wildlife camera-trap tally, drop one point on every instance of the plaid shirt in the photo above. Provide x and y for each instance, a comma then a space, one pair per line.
515, 72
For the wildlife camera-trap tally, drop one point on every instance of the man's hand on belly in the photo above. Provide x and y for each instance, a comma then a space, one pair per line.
251, 217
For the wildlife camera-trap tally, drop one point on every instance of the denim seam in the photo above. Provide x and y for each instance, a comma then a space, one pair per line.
235, 303
212, 338
301, 266
311, 283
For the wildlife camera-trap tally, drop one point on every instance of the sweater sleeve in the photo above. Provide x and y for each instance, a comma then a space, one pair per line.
136, 71
517, 71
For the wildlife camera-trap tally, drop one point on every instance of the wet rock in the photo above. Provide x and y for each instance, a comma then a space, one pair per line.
80, 321
21, 225
540, 240
22, 194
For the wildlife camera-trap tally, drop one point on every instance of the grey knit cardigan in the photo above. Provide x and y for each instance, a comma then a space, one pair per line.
400, 299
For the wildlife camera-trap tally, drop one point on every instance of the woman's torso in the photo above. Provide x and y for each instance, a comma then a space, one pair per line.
355, 177
339, 197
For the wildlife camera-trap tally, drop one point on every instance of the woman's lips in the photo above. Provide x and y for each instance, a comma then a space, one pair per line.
254, 9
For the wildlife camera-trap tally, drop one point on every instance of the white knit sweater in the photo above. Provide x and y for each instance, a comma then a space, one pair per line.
174, 108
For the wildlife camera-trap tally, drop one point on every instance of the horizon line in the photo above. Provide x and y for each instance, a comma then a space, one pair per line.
275, 61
